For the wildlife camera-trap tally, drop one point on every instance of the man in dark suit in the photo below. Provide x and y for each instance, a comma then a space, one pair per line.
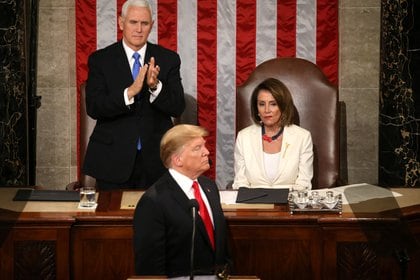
163, 219
132, 110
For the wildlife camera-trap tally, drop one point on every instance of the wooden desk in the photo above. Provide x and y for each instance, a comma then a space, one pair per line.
268, 243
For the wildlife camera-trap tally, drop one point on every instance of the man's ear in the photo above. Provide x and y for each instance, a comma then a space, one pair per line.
121, 22
177, 160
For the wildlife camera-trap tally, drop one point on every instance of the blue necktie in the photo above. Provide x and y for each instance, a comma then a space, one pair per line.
135, 72
136, 65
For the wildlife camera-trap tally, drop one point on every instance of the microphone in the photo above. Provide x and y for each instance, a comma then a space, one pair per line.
193, 204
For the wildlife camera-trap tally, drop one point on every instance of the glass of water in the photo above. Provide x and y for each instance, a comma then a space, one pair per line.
315, 200
87, 197
330, 200
302, 199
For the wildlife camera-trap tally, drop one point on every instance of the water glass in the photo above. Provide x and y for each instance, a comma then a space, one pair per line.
330, 200
302, 199
87, 197
315, 200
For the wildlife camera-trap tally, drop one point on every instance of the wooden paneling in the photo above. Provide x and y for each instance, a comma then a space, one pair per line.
267, 243
102, 252
278, 250
35, 251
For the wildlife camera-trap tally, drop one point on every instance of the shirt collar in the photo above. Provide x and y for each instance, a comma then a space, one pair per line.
183, 181
129, 52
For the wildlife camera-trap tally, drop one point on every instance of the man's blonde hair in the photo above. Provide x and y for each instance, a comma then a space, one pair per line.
175, 138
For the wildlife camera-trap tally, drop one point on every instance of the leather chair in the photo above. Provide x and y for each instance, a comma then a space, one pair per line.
316, 102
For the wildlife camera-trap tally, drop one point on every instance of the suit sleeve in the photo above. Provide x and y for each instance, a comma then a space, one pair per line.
171, 98
305, 172
104, 89
240, 179
149, 238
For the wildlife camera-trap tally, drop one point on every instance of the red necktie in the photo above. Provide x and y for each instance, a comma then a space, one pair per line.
204, 213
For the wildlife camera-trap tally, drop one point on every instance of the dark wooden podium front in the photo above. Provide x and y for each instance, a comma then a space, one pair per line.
268, 243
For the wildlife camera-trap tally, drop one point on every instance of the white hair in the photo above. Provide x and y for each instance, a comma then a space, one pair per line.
136, 3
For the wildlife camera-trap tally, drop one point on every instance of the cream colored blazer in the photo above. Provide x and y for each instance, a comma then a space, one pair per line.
296, 162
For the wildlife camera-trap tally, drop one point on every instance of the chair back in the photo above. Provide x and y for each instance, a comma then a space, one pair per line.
87, 125
316, 102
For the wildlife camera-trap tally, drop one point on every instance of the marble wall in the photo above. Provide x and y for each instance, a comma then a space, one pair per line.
359, 85
358, 88
56, 135
15, 89
399, 124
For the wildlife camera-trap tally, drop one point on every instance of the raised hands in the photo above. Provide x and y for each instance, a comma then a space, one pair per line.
152, 74
137, 85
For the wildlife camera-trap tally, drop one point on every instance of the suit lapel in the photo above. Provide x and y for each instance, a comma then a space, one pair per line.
212, 199
149, 52
178, 195
176, 192
288, 139
211, 196
121, 64
259, 153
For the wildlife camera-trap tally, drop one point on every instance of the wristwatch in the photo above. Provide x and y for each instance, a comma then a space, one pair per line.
154, 87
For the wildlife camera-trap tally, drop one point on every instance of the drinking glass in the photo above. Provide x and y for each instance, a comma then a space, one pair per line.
87, 197
315, 200
301, 199
330, 200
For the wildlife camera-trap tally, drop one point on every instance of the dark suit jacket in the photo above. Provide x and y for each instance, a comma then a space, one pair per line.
163, 230
111, 151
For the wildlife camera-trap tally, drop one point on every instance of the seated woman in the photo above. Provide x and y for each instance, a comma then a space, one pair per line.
273, 152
